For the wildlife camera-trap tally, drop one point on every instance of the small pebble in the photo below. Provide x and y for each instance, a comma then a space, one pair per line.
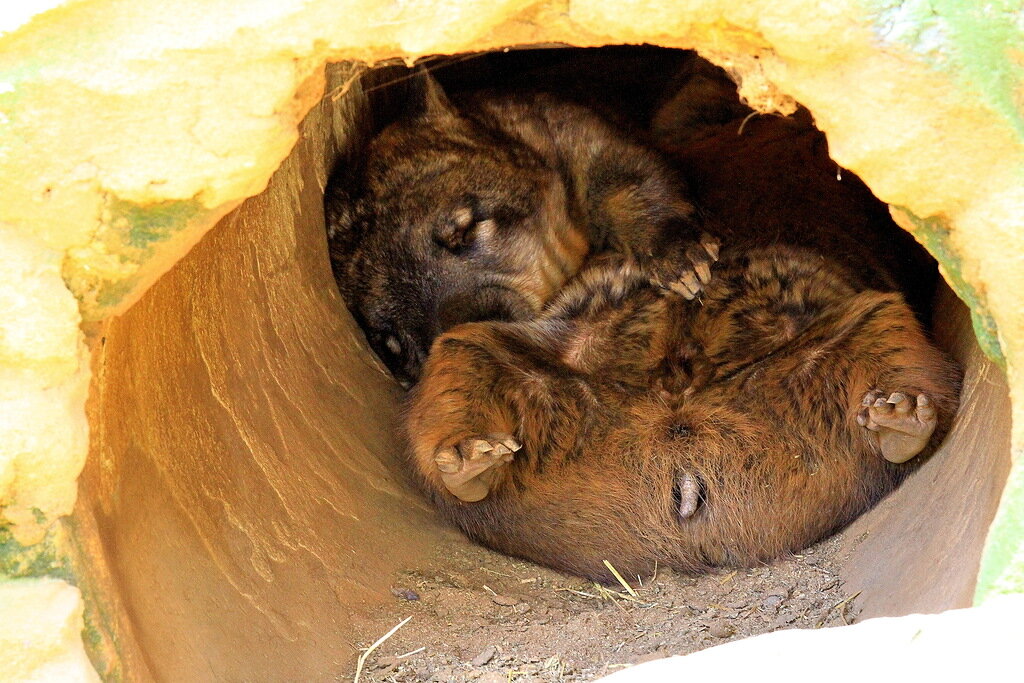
485, 656
719, 630
405, 593
505, 601
783, 621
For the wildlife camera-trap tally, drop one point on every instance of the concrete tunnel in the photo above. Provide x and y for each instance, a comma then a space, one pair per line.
228, 440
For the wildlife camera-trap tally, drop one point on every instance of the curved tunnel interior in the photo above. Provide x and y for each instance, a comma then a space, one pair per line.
244, 500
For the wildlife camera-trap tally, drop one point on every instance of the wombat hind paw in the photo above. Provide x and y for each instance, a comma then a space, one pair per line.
468, 468
901, 425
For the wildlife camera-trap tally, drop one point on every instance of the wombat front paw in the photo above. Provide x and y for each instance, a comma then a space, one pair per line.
902, 425
688, 272
468, 468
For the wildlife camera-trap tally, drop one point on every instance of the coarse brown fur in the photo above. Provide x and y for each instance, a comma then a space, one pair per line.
483, 209
693, 434
634, 426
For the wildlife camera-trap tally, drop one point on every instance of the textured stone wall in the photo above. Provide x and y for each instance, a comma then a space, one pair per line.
127, 131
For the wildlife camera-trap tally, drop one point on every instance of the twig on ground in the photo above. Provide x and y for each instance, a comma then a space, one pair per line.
727, 578
414, 652
842, 610
366, 653
617, 575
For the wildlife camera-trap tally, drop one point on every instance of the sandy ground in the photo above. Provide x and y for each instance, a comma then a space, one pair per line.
475, 615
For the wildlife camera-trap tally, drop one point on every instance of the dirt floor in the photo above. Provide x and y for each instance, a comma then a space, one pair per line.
475, 615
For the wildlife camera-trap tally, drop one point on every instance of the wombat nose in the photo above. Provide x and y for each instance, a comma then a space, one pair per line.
413, 366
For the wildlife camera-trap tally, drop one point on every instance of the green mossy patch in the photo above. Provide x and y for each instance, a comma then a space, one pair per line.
978, 43
1002, 565
100, 630
130, 234
142, 225
112, 293
933, 233
39, 516
52, 559
41, 560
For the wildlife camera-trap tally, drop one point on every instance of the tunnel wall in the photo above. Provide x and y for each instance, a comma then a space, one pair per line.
243, 475
244, 461
125, 140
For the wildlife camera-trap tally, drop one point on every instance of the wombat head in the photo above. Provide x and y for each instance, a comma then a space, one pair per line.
443, 222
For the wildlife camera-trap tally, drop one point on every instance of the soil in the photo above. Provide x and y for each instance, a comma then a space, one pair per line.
475, 615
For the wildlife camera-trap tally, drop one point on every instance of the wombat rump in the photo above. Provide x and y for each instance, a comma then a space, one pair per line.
635, 427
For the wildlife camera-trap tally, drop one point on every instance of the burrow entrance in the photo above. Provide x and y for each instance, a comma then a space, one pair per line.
245, 510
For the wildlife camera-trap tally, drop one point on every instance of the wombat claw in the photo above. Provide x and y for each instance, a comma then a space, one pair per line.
901, 424
468, 468
690, 282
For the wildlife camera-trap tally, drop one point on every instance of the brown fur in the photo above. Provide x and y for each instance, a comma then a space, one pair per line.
619, 393
724, 431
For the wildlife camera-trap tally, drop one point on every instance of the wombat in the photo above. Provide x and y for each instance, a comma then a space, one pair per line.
630, 424
482, 209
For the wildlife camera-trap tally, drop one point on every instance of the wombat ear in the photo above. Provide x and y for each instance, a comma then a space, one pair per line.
435, 103
342, 205
345, 210
458, 231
